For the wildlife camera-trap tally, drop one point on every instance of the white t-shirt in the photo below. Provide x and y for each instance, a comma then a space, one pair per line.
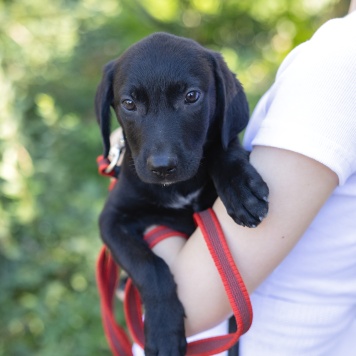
307, 306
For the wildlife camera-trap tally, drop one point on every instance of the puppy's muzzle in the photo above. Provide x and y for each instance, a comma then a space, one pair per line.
162, 166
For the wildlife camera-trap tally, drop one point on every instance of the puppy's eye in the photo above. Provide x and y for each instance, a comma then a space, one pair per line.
192, 97
129, 105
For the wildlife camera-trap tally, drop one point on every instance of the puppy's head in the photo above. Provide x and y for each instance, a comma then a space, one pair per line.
171, 96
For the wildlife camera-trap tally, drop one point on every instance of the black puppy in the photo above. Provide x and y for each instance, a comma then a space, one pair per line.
180, 109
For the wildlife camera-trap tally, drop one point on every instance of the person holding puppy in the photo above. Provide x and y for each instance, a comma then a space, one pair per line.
299, 264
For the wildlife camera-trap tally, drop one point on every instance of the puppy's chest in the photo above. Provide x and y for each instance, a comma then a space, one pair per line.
177, 200
197, 199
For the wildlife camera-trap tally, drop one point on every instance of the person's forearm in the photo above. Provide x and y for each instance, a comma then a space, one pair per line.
298, 187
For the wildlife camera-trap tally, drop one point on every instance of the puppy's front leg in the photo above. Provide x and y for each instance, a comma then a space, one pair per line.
238, 184
164, 314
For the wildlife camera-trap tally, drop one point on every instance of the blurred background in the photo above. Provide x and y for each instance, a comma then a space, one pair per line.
51, 57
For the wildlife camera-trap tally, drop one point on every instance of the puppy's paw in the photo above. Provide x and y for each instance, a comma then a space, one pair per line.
164, 331
168, 346
245, 197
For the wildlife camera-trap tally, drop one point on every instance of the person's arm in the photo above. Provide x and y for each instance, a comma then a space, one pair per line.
299, 186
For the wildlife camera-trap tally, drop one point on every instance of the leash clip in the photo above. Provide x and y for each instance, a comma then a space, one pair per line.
116, 151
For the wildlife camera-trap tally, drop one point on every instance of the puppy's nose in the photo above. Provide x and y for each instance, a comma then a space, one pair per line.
162, 165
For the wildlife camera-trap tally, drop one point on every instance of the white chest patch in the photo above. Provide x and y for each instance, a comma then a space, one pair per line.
179, 201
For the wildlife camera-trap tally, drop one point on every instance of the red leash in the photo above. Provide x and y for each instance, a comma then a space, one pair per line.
107, 276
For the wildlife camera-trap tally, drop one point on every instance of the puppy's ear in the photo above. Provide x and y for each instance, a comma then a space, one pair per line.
232, 105
103, 101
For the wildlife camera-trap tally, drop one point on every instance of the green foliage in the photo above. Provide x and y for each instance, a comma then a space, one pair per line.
51, 55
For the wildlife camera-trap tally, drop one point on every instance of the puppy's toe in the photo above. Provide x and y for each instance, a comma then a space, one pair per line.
255, 211
242, 216
258, 188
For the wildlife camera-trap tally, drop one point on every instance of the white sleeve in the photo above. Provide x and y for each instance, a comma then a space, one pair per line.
311, 108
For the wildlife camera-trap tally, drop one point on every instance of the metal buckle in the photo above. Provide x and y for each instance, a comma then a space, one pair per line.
115, 153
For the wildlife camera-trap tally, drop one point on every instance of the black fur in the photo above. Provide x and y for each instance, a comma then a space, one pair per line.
175, 148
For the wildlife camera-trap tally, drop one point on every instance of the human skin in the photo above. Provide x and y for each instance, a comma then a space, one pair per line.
299, 186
